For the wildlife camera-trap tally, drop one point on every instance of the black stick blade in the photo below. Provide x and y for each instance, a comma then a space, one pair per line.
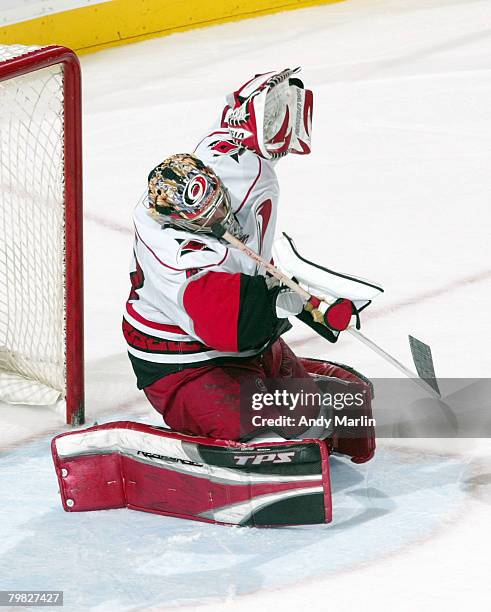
423, 361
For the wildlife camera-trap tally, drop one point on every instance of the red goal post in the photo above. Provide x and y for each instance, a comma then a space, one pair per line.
41, 258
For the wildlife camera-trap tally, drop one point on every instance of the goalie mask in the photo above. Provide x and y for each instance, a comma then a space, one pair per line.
186, 194
271, 115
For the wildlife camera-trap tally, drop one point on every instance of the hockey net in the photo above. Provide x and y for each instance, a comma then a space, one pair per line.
41, 315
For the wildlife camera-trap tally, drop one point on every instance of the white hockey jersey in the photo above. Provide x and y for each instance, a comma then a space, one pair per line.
190, 292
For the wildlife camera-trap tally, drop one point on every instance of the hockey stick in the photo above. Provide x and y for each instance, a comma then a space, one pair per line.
421, 352
421, 357
220, 232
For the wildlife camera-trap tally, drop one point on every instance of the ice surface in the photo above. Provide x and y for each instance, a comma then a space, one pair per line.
396, 189
121, 558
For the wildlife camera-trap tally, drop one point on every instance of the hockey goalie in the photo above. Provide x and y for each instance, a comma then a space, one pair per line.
204, 319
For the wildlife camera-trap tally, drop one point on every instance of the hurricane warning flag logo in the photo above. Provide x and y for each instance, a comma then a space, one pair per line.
195, 191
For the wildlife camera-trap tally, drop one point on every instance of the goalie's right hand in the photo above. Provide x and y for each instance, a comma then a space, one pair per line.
336, 316
328, 320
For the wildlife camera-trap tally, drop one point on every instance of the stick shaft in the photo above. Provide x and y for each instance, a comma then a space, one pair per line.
395, 362
269, 267
354, 332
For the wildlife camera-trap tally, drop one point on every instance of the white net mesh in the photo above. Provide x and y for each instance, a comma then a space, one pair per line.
32, 335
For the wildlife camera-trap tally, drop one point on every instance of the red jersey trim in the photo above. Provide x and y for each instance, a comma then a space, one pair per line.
252, 186
160, 326
149, 344
219, 263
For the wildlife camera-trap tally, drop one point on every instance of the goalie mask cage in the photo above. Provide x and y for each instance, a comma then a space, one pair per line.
41, 306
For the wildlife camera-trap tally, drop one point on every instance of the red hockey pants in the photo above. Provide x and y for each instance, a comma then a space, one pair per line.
205, 400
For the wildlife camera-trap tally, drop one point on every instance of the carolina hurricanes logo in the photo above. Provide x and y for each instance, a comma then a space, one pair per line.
191, 246
225, 147
195, 191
